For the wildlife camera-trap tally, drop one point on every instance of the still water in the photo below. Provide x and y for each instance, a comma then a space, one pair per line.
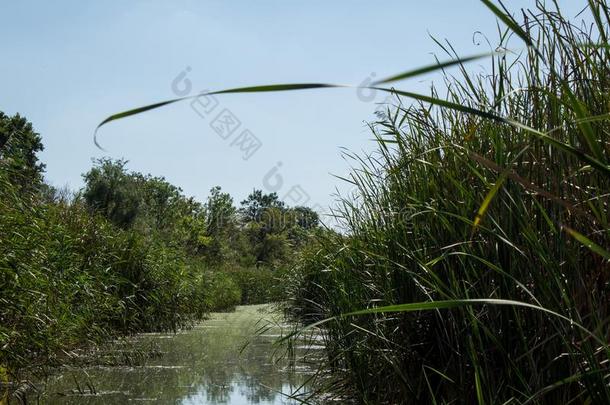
228, 359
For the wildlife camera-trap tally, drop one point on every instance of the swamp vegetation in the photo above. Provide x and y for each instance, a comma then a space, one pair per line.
473, 265
128, 253
477, 252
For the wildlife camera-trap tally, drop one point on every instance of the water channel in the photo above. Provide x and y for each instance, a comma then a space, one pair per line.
229, 358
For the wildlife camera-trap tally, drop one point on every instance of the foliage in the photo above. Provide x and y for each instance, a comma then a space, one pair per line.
145, 203
273, 229
18, 147
68, 277
254, 206
110, 192
222, 291
259, 285
221, 226
458, 204
129, 253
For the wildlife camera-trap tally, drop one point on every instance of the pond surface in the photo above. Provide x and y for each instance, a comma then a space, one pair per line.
227, 359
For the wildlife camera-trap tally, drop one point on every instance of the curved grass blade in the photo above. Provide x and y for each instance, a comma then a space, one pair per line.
492, 193
569, 380
594, 247
447, 304
275, 87
488, 198
432, 100
432, 68
443, 103
526, 184
131, 112
249, 89
604, 168
490, 115
510, 23
289, 87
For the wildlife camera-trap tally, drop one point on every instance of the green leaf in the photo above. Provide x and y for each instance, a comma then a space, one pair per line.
131, 112
588, 243
583, 123
432, 68
250, 89
510, 23
275, 87
488, 198
433, 100
490, 115
445, 304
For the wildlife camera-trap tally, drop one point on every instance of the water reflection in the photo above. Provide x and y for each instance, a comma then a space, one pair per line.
225, 360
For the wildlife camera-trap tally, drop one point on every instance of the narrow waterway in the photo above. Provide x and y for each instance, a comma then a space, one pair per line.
227, 359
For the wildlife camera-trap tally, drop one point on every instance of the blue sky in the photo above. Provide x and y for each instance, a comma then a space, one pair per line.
66, 65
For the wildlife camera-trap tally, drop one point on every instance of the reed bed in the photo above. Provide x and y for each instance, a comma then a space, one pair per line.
475, 265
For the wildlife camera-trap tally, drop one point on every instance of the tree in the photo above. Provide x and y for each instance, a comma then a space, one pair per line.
165, 211
220, 224
253, 207
302, 221
19, 145
305, 217
155, 207
162, 203
110, 191
220, 212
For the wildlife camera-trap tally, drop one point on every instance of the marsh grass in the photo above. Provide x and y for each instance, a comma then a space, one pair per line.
458, 212
70, 278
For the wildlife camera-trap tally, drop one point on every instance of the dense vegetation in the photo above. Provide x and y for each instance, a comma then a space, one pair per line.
475, 266
505, 201
127, 253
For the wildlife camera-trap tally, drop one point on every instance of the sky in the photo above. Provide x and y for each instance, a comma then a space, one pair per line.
67, 65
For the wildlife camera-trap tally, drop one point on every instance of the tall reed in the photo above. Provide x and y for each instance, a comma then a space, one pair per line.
69, 278
505, 201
